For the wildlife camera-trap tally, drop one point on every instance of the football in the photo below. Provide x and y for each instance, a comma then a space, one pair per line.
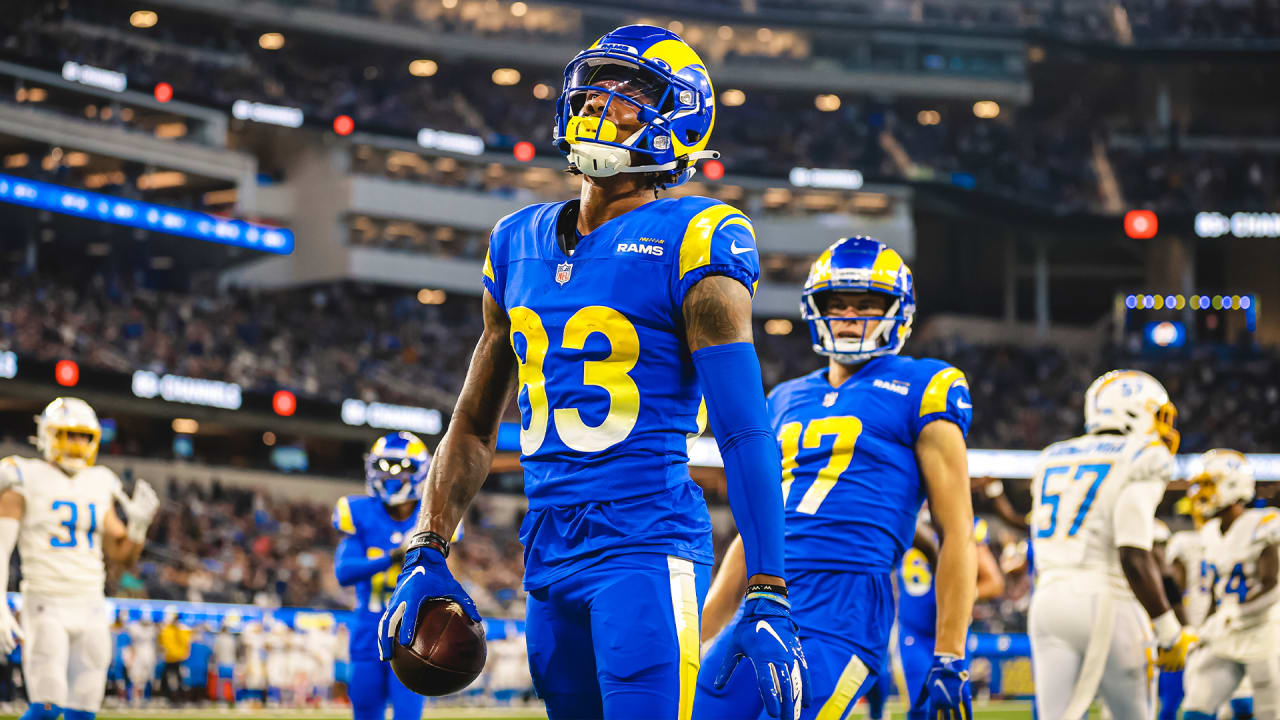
447, 654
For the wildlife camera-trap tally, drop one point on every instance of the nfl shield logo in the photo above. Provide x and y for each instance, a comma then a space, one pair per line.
830, 399
563, 271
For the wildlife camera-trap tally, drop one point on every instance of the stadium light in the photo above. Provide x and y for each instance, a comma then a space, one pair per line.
284, 403
423, 68
268, 438
986, 109
518, 9
66, 373
928, 117
713, 170
449, 4
524, 151
778, 326
163, 92
542, 91
1141, 224
344, 125
732, 97
827, 102
427, 296
505, 76
143, 18
185, 426
271, 41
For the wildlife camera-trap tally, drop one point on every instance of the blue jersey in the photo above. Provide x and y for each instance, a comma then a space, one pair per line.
849, 473
369, 531
608, 394
917, 597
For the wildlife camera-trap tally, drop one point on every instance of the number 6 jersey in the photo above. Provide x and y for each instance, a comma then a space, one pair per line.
608, 394
60, 541
1093, 494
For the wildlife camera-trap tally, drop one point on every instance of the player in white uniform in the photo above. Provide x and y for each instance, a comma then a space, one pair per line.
1241, 637
141, 663
59, 511
1098, 588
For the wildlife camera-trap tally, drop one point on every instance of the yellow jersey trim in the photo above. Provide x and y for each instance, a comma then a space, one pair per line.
934, 399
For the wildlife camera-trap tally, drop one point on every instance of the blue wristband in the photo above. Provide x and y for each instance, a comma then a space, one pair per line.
732, 384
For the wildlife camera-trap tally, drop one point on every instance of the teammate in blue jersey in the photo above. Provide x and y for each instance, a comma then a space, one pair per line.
374, 528
864, 441
918, 603
608, 318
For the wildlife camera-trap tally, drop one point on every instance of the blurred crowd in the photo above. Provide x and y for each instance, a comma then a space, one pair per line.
331, 343
236, 545
340, 341
1041, 153
1100, 20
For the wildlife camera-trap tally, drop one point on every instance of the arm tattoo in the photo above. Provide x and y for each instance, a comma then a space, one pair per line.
717, 311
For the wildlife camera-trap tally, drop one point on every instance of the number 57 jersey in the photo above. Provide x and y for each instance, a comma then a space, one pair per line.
1093, 494
608, 394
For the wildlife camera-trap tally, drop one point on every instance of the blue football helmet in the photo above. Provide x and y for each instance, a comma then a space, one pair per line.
655, 71
859, 264
394, 470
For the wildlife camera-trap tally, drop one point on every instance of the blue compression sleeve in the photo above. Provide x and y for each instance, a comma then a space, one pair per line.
351, 566
731, 382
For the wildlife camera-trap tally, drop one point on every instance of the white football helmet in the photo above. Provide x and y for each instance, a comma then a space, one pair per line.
1130, 401
68, 434
1220, 478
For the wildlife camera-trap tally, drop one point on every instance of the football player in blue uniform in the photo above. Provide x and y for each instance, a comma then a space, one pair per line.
374, 528
864, 441
608, 317
918, 603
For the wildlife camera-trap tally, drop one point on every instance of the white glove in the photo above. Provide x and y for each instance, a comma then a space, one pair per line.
10, 632
140, 510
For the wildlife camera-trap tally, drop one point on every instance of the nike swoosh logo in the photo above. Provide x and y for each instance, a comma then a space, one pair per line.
963, 405
762, 625
418, 571
733, 248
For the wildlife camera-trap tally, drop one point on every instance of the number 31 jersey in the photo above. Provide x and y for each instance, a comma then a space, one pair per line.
1076, 488
608, 394
60, 541
849, 475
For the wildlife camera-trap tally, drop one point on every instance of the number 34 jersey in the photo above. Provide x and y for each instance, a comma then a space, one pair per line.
850, 480
1093, 494
60, 541
608, 394
1232, 559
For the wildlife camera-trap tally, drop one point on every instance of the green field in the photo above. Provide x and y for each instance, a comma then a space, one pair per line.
986, 711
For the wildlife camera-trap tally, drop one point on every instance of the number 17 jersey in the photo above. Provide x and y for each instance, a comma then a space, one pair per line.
608, 394
850, 480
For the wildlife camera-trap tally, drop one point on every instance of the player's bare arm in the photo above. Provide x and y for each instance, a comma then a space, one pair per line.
726, 591
1268, 574
990, 579
1143, 574
940, 451
717, 311
117, 547
926, 543
462, 460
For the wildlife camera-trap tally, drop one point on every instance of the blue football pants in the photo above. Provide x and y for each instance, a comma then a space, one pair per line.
618, 639
844, 618
373, 685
